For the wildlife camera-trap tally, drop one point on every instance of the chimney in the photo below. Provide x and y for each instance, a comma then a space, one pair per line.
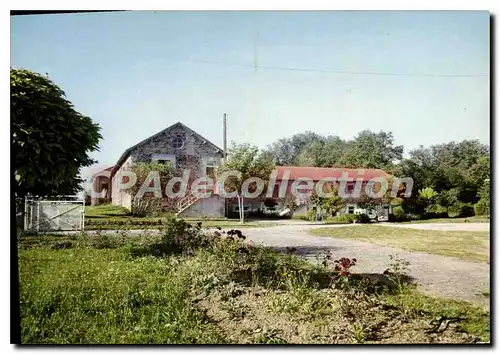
224, 136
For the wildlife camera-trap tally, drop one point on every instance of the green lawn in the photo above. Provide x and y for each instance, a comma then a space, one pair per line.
106, 211
111, 217
155, 223
91, 290
102, 296
472, 219
473, 246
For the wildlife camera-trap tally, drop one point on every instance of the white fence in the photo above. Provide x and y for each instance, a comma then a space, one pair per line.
58, 214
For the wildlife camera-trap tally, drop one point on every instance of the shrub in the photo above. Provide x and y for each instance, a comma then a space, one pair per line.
179, 237
461, 210
411, 217
448, 198
440, 210
343, 219
482, 207
362, 219
300, 217
398, 214
311, 215
146, 206
434, 215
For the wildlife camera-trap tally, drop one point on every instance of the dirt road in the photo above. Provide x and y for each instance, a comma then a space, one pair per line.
435, 274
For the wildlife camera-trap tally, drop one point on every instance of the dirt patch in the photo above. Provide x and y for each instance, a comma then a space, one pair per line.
255, 316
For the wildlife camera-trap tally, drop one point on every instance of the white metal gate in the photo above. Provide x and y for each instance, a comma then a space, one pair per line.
58, 214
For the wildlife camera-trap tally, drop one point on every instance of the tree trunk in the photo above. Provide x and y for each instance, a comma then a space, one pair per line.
242, 210
239, 206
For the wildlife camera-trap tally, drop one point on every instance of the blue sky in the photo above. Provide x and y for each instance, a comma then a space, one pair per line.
136, 73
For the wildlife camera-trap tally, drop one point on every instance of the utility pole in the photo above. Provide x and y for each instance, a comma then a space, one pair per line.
224, 135
224, 156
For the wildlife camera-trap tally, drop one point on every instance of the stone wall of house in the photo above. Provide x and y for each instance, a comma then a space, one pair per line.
192, 155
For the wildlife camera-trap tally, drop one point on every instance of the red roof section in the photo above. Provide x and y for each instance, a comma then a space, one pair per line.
318, 173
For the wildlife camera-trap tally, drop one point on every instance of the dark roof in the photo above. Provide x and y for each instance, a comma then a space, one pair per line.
106, 169
127, 152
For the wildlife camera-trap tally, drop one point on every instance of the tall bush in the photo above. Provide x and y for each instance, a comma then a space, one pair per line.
398, 214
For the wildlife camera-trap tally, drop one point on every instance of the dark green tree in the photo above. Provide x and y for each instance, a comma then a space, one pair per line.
51, 141
371, 150
285, 152
483, 205
463, 165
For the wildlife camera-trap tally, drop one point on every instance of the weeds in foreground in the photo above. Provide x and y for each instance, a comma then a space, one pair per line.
398, 272
168, 288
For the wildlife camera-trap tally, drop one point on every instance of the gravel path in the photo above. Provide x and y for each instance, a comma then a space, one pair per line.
439, 275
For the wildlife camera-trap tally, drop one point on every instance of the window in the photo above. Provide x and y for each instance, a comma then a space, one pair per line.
210, 166
178, 143
164, 159
210, 172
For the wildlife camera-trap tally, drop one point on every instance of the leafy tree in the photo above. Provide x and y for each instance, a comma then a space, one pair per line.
475, 177
333, 150
312, 155
371, 150
482, 207
251, 163
285, 152
51, 141
331, 204
322, 153
463, 165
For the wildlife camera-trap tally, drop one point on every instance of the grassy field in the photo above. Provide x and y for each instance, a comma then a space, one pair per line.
216, 289
106, 211
472, 219
155, 223
473, 246
111, 217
